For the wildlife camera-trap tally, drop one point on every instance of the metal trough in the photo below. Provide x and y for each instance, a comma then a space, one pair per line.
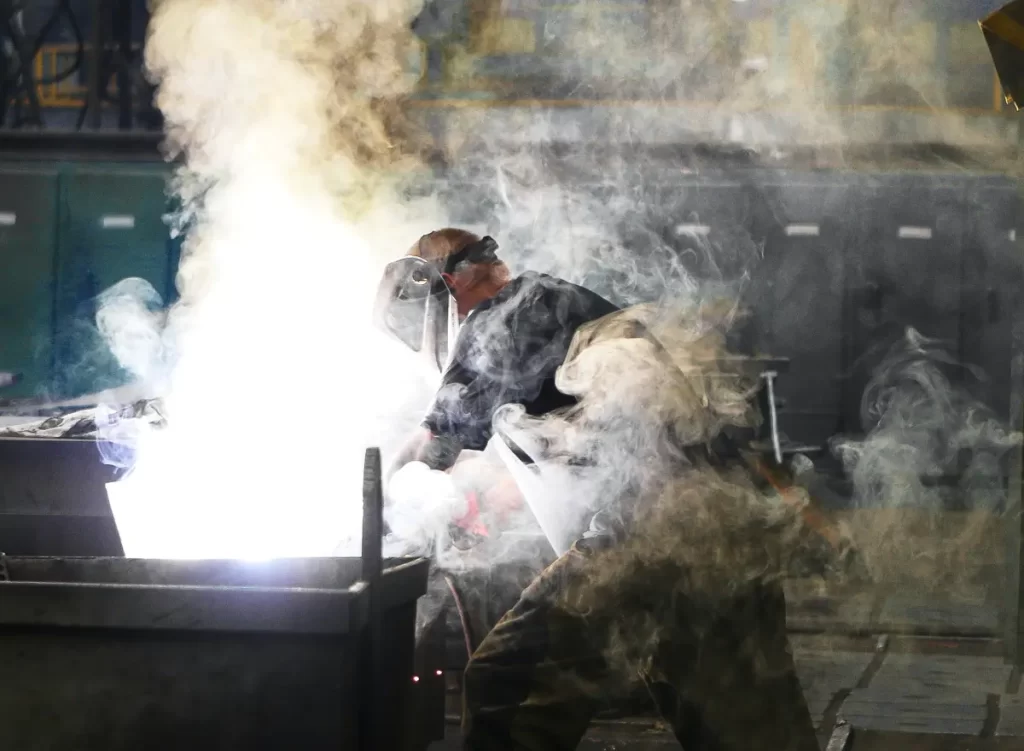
128, 654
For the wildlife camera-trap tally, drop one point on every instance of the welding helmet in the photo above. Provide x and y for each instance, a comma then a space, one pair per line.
416, 306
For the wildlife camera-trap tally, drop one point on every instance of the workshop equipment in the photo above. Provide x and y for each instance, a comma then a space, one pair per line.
219, 654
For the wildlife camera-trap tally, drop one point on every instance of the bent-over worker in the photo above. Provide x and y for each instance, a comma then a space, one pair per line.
539, 676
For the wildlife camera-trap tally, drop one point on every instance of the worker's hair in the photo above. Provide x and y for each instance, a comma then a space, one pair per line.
439, 244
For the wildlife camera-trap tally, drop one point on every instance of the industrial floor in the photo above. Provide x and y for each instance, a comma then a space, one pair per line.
898, 671
894, 693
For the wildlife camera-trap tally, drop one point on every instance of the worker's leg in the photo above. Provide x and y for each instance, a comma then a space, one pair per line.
730, 683
532, 684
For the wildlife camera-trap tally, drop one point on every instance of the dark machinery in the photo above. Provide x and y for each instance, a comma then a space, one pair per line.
119, 653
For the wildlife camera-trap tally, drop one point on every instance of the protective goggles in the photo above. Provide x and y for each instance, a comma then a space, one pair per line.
415, 304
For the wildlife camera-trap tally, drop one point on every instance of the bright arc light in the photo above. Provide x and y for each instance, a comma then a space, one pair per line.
275, 382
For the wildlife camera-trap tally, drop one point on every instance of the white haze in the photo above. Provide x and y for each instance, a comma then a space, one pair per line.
273, 381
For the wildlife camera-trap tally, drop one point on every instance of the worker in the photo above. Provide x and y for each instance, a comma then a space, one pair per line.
536, 680
514, 335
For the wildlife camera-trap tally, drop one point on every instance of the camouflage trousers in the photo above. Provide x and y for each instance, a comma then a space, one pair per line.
541, 674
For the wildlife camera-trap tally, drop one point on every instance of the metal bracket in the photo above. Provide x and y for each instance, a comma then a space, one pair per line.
769, 377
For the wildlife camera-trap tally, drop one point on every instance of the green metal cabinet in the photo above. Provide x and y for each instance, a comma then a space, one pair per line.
112, 228
28, 232
115, 218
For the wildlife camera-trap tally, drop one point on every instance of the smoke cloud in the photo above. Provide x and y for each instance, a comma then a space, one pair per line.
287, 118
602, 178
273, 382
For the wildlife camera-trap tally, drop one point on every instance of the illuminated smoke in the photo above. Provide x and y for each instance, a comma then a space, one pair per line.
281, 112
131, 317
594, 194
284, 113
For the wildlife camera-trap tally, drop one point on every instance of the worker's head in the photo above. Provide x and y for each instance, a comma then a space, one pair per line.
468, 264
423, 296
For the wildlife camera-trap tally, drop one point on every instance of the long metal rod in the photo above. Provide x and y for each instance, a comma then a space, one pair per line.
376, 705
123, 33
373, 516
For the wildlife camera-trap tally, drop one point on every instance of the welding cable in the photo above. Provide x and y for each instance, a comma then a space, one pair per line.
463, 619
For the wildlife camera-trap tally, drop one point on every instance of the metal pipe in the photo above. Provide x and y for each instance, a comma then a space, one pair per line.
123, 34
92, 102
25, 63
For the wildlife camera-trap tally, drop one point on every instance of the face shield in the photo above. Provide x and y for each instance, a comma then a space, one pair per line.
415, 305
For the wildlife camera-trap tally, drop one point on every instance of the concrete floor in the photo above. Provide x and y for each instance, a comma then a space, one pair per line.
894, 692
905, 666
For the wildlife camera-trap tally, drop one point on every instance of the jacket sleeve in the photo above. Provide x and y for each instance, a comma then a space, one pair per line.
462, 409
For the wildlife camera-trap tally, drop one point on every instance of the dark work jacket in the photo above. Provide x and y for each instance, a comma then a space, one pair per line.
507, 352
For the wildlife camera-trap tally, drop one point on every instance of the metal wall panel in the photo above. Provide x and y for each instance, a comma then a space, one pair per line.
117, 217
28, 202
816, 223
905, 272
719, 229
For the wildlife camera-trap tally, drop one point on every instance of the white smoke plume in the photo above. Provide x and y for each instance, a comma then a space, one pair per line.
131, 317
586, 194
291, 210
272, 378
